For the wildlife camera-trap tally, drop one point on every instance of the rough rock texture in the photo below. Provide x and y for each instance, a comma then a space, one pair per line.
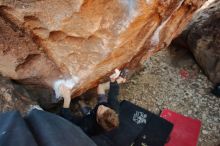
202, 37
85, 39
20, 57
14, 97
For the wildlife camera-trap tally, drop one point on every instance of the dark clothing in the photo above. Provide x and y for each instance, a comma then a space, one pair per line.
88, 122
14, 131
40, 128
112, 96
137, 127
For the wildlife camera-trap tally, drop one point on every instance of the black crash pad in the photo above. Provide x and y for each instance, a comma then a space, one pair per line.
137, 126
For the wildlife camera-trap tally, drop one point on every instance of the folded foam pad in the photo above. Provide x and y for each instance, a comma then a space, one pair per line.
52, 130
185, 131
137, 126
14, 131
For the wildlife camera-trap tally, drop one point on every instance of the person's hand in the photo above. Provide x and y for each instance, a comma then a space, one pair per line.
120, 80
115, 75
66, 94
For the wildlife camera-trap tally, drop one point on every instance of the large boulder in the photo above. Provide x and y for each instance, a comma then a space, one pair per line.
202, 37
42, 41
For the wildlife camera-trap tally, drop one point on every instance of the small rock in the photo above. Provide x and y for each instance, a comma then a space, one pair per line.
189, 112
204, 117
159, 103
171, 79
174, 104
205, 132
134, 82
195, 67
215, 119
195, 85
199, 80
187, 94
214, 128
157, 111
7, 96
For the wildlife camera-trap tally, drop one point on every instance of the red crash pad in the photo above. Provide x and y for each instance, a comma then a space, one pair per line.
185, 131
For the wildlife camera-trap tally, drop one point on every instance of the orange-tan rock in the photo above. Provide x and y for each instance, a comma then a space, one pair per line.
42, 41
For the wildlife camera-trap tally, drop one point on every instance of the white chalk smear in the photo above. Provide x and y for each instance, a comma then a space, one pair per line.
130, 14
116, 74
69, 83
156, 36
206, 4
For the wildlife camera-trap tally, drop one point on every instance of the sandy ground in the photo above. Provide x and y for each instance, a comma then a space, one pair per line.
172, 80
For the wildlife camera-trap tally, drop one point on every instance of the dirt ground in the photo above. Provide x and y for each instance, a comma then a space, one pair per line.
172, 80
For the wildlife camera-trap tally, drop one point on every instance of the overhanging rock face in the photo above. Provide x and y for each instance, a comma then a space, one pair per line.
48, 40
